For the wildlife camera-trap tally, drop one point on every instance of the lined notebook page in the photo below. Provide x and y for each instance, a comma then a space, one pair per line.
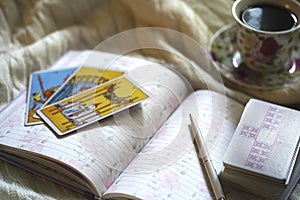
101, 151
168, 167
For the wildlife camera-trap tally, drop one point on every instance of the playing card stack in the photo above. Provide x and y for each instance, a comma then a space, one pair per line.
262, 153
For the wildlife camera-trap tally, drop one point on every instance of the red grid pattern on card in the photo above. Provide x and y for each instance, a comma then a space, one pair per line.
249, 132
272, 119
260, 150
258, 155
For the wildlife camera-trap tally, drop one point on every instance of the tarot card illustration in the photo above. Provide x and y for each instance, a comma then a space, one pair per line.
42, 85
83, 79
92, 105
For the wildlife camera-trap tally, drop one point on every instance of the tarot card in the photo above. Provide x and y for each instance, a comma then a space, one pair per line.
83, 79
92, 105
42, 85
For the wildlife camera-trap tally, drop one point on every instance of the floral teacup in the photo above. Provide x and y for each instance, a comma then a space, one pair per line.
266, 51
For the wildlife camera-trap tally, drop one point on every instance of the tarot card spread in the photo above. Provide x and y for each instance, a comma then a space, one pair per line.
42, 86
91, 105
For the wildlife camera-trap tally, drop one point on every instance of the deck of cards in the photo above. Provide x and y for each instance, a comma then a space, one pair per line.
68, 99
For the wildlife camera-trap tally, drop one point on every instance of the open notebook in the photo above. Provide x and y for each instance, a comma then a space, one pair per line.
145, 152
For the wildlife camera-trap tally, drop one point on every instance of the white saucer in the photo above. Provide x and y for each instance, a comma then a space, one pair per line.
227, 60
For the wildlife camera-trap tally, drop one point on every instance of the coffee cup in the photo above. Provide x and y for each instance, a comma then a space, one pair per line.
268, 33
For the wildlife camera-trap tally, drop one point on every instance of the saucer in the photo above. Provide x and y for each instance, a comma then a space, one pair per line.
228, 61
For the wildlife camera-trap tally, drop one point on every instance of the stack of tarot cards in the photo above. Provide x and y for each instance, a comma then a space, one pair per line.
71, 98
261, 155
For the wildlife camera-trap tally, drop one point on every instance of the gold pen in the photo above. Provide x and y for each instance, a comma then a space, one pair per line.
205, 158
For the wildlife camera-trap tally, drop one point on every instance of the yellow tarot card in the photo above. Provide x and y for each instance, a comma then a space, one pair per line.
83, 79
92, 105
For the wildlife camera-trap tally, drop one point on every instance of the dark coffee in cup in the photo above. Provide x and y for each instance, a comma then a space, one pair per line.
267, 33
269, 18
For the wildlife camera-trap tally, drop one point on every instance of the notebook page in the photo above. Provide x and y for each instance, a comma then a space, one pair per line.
100, 151
168, 167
